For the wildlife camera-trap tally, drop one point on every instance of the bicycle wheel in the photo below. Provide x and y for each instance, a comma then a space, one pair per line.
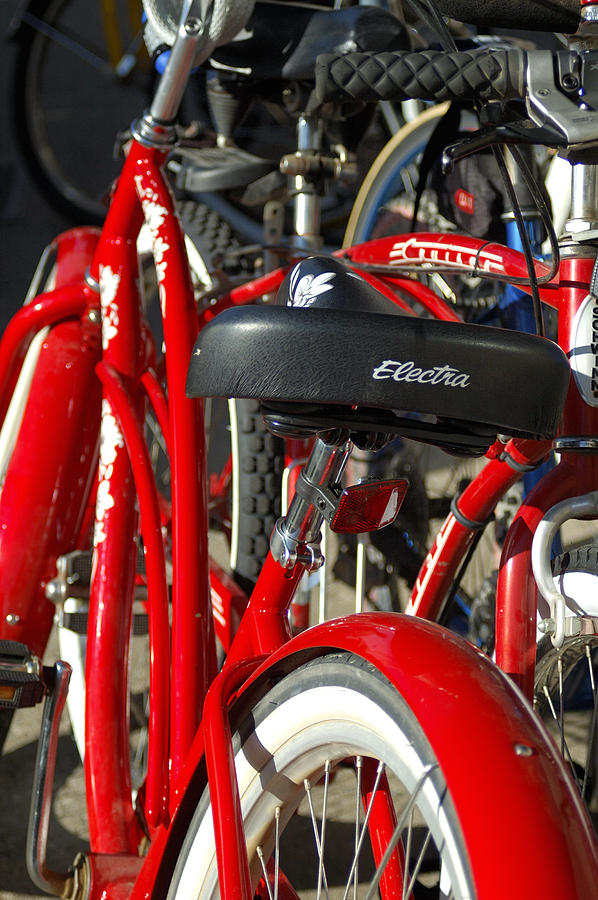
392, 179
566, 680
81, 74
245, 461
384, 205
246, 464
325, 738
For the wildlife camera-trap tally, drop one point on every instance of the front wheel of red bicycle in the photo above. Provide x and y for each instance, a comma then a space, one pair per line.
317, 758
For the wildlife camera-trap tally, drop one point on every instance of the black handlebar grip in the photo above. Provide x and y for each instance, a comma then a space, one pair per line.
527, 15
424, 75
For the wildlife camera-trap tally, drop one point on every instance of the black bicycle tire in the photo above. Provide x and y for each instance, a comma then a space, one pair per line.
211, 233
39, 157
257, 455
583, 558
261, 462
579, 559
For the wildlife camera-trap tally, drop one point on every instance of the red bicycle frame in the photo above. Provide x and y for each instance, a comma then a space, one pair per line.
98, 279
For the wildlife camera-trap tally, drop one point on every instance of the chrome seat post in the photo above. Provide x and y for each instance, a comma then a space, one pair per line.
296, 537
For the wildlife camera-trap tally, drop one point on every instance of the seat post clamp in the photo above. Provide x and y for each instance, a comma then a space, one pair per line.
288, 551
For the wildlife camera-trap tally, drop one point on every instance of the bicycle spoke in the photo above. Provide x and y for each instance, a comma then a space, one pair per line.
323, 829
592, 734
276, 850
418, 864
358, 768
260, 855
399, 829
564, 747
379, 773
405, 892
274, 874
128, 60
73, 46
561, 705
314, 822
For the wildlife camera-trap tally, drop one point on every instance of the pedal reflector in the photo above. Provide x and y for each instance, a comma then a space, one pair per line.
21, 676
369, 506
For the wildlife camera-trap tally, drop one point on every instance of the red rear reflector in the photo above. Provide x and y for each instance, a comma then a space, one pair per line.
369, 506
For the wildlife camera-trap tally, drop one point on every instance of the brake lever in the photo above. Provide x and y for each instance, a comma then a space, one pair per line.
512, 133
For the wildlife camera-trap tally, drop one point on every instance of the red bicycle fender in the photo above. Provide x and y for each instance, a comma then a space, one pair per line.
525, 828
53, 461
74, 253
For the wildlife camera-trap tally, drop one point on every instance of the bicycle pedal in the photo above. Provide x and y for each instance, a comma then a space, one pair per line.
73, 577
73, 615
216, 168
69, 591
22, 679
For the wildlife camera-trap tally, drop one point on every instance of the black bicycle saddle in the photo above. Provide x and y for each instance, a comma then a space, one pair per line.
336, 354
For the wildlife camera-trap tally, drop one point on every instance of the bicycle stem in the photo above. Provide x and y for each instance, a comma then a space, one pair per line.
583, 218
173, 83
156, 127
307, 203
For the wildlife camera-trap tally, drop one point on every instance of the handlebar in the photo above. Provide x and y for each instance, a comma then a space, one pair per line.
560, 88
424, 75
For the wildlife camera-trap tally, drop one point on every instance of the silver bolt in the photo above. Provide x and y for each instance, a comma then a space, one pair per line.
12, 619
523, 750
56, 591
192, 26
547, 626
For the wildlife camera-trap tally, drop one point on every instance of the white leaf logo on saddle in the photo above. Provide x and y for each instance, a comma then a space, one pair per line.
308, 288
409, 371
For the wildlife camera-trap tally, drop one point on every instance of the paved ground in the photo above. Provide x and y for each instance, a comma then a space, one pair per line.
68, 826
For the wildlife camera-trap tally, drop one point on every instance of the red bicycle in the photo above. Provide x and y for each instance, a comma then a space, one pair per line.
326, 761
